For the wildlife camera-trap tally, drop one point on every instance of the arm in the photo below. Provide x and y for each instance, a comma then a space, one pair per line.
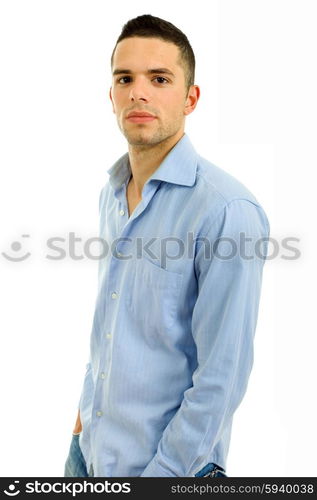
78, 426
87, 380
223, 326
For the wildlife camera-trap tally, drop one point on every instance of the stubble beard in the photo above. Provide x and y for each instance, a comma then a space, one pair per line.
141, 135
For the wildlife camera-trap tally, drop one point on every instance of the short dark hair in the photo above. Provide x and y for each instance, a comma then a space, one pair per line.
148, 26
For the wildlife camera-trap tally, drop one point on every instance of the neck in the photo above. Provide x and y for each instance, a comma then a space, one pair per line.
145, 159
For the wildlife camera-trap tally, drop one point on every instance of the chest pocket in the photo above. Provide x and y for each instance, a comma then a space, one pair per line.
153, 299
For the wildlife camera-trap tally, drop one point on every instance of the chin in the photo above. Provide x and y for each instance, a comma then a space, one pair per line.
139, 139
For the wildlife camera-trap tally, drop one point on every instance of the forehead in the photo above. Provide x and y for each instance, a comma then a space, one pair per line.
137, 52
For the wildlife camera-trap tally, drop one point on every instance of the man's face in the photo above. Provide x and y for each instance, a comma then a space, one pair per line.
136, 87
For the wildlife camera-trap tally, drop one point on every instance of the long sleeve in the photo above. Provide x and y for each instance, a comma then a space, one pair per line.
223, 326
88, 372
87, 375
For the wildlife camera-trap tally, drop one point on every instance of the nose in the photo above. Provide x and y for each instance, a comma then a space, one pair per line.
139, 91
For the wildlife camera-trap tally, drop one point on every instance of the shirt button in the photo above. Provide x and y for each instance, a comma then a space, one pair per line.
108, 335
102, 375
99, 413
121, 212
114, 295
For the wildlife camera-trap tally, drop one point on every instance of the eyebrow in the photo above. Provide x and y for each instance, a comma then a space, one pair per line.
164, 71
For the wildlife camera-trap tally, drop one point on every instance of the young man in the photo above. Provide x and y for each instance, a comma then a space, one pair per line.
172, 338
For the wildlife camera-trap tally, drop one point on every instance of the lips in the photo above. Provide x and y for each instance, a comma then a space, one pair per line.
140, 117
138, 114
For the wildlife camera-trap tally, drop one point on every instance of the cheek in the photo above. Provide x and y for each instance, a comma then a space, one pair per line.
175, 106
118, 99
175, 100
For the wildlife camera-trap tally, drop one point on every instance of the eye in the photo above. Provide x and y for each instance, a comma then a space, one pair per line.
123, 78
161, 78
126, 79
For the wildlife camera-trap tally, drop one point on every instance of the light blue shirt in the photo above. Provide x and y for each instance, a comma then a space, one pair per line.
171, 346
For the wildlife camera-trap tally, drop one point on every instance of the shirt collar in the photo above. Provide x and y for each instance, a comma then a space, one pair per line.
178, 167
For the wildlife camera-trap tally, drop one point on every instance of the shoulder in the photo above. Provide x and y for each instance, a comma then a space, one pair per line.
221, 195
219, 183
104, 194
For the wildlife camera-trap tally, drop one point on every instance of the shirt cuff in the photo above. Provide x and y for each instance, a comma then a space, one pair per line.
154, 469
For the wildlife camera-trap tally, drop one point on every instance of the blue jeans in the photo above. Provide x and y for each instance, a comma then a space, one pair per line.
75, 465
211, 470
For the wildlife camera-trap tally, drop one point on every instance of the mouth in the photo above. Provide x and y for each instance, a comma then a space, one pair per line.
140, 117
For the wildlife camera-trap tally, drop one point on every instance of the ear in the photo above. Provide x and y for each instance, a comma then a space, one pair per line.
192, 99
111, 99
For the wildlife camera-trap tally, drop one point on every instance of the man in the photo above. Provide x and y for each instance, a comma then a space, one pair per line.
178, 294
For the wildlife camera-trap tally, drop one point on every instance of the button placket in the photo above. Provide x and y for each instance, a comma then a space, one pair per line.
123, 228
105, 354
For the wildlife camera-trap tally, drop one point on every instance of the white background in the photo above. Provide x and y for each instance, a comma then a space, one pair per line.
256, 67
